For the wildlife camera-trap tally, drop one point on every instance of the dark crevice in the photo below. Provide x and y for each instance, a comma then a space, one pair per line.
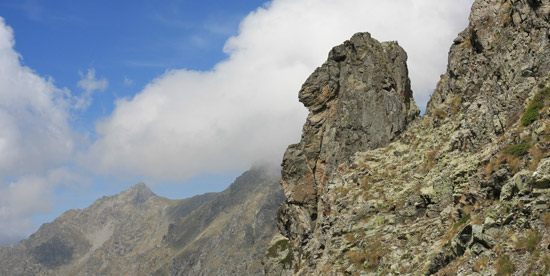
534, 4
476, 45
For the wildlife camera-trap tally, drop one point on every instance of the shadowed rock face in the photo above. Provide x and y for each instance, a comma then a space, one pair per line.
359, 99
53, 253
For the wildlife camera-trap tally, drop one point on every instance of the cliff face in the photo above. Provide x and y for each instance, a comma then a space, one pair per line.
359, 99
462, 190
494, 65
139, 233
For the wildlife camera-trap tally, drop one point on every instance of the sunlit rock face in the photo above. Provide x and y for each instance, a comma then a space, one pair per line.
463, 190
359, 99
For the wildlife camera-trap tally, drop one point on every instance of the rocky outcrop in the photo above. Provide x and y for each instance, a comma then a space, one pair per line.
138, 233
463, 190
494, 65
359, 99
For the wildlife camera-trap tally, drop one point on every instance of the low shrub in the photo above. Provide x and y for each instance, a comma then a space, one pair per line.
518, 150
531, 114
504, 266
530, 242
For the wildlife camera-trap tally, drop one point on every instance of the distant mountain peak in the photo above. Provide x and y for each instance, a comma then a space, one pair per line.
137, 194
136, 232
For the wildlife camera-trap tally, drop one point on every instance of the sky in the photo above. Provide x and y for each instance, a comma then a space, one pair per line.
96, 96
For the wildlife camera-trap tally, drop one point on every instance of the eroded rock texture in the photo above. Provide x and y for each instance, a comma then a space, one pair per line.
463, 190
494, 64
359, 99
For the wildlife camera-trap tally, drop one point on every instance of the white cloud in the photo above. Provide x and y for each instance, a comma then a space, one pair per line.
89, 84
35, 140
128, 81
27, 196
35, 134
186, 122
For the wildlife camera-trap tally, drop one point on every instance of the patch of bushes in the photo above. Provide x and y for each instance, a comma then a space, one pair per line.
456, 103
480, 264
530, 242
440, 114
518, 149
504, 266
375, 252
279, 246
510, 155
431, 159
368, 258
531, 114
287, 261
463, 220
546, 220
546, 262
537, 156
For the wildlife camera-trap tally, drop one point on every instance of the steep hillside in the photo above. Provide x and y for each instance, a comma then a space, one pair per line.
138, 233
463, 190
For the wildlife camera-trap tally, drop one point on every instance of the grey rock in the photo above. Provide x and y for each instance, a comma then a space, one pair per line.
359, 99
451, 192
542, 175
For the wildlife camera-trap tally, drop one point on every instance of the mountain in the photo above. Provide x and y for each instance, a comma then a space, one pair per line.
138, 233
372, 189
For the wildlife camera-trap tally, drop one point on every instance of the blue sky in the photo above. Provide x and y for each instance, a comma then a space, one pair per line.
130, 42
96, 96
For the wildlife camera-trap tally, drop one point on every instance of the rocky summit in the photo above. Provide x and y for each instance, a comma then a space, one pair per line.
138, 233
462, 190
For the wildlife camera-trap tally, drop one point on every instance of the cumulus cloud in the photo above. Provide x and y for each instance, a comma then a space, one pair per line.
33, 116
187, 122
89, 84
35, 140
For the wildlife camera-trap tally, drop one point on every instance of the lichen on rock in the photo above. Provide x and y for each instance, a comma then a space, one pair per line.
462, 190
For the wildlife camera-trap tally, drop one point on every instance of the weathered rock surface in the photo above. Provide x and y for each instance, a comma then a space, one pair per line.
359, 99
463, 190
138, 233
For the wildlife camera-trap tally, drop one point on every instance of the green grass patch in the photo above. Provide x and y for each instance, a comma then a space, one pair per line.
279, 246
504, 266
463, 220
535, 105
518, 150
530, 242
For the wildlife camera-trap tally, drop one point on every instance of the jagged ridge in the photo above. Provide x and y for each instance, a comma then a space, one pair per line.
138, 233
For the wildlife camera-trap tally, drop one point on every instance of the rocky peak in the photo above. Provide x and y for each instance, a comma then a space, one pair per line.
359, 99
136, 194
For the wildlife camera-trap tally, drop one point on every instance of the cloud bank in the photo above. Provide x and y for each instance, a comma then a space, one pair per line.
35, 141
186, 123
